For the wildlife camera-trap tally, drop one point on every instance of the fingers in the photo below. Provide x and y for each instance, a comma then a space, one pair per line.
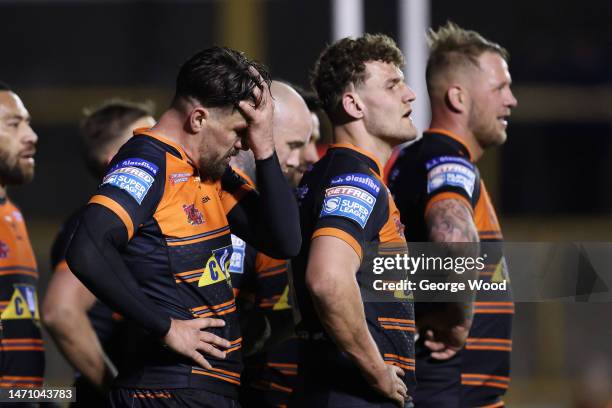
434, 345
210, 350
398, 371
210, 338
248, 110
206, 322
444, 355
200, 360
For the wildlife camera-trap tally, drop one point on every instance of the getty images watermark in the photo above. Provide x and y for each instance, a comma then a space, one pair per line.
521, 271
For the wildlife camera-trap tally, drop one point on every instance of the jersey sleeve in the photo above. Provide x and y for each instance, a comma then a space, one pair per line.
450, 177
234, 187
133, 184
351, 209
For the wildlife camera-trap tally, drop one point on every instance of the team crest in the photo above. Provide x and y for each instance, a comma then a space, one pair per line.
194, 216
4, 250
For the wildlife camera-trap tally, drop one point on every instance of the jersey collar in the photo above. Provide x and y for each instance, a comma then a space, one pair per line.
461, 144
369, 157
163, 139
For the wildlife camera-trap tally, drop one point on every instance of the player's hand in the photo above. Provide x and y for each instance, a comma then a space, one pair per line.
259, 116
187, 337
389, 383
444, 344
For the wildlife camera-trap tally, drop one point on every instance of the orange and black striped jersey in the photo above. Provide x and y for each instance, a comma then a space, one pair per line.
22, 359
437, 167
270, 373
179, 252
344, 196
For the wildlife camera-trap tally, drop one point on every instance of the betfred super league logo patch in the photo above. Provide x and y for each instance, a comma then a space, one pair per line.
194, 216
4, 250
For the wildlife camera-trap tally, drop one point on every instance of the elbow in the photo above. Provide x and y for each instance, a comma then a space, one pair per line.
55, 314
318, 287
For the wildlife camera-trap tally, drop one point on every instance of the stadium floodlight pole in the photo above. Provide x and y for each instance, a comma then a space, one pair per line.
414, 20
347, 18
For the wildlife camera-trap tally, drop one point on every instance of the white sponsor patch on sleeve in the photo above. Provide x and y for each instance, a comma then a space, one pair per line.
348, 202
448, 171
132, 176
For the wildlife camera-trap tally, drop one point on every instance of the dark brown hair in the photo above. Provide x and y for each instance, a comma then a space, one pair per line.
343, 63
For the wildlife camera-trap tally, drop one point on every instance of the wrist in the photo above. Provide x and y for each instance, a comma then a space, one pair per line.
263, 153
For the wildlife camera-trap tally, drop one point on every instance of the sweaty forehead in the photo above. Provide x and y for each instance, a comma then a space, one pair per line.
11, 105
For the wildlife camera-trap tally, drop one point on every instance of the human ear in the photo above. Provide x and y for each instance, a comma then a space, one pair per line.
352, 105
456, 98
197, 118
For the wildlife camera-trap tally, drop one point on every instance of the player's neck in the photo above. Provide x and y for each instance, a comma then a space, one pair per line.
357, 136
170, 126
461, 132
2, 192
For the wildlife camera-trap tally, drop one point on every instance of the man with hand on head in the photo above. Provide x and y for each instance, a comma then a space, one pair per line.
270, 346
355, 353
154, 242
442, 199
86, 331
22, 354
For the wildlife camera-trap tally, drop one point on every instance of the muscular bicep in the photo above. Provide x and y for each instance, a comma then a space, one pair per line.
331, 262
451, 220
66, 290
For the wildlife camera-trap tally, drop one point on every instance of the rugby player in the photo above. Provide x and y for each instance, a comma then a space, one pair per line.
264, 307
355, 353
85, 330
154, 242
441, 198
22, 359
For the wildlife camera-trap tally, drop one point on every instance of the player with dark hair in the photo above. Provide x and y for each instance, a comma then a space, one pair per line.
355, 353
154, 242
85, 330
22, 359
441, 197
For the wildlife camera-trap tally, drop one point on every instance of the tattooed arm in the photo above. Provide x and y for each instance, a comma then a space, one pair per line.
446, 329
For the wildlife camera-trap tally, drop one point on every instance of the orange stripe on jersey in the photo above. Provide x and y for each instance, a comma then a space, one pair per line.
117, 209
452, 136
486, 380
22, 348
219, 306
21, 341
448, 195
496, 405
224, 375
18, 270
338, 233
484, 384
402, 362
16, 378
61, 266
243, 175
389, 319
369, 155
162, 139
408, 360
279, 387
225, 231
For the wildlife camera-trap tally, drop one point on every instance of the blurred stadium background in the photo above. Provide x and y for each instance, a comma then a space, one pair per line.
550, 182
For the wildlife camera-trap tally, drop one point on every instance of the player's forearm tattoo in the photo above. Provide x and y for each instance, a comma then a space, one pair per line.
451, 221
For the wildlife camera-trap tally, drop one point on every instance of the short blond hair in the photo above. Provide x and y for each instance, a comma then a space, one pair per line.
452, 47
